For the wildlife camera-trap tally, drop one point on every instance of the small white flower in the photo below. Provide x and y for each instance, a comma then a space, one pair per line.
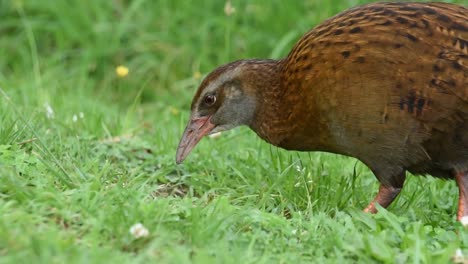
215, 135
464, 221
75, 118
138, 230
49, 111
81, 115
458, 257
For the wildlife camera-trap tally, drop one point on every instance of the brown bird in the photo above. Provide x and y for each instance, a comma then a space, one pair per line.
386, 83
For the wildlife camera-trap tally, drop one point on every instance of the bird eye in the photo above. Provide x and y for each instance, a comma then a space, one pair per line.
210, 99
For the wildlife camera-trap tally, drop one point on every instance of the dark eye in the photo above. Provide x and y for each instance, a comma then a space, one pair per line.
209, 99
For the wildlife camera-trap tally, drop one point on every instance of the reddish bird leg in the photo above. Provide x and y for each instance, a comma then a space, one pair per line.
462, 182
385, 197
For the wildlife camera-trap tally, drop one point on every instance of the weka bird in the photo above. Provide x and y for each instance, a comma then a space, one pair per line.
386, 83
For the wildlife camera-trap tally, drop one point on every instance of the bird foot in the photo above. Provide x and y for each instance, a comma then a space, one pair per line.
384, 198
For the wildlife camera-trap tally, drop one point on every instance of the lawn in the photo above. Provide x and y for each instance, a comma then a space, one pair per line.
87, 150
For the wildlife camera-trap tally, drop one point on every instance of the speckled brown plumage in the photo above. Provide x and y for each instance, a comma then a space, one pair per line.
386, 83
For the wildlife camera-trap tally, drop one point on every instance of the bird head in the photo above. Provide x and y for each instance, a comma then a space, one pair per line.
225, 99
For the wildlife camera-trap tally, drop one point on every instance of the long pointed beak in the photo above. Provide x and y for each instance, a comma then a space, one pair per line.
195, 130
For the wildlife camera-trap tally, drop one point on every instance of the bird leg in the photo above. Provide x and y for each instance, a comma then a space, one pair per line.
389, 189
462, 182
384, 198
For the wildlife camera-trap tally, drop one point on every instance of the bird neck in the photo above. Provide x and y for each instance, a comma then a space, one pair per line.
283, 106
265, 78
270, 120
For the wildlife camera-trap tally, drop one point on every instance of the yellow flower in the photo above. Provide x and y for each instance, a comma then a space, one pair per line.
197, 75
121, 71
174, 110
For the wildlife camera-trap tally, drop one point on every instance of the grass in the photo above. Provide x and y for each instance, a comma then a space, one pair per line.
86, 154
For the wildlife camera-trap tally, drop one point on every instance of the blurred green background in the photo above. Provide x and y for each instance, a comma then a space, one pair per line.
87, 152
